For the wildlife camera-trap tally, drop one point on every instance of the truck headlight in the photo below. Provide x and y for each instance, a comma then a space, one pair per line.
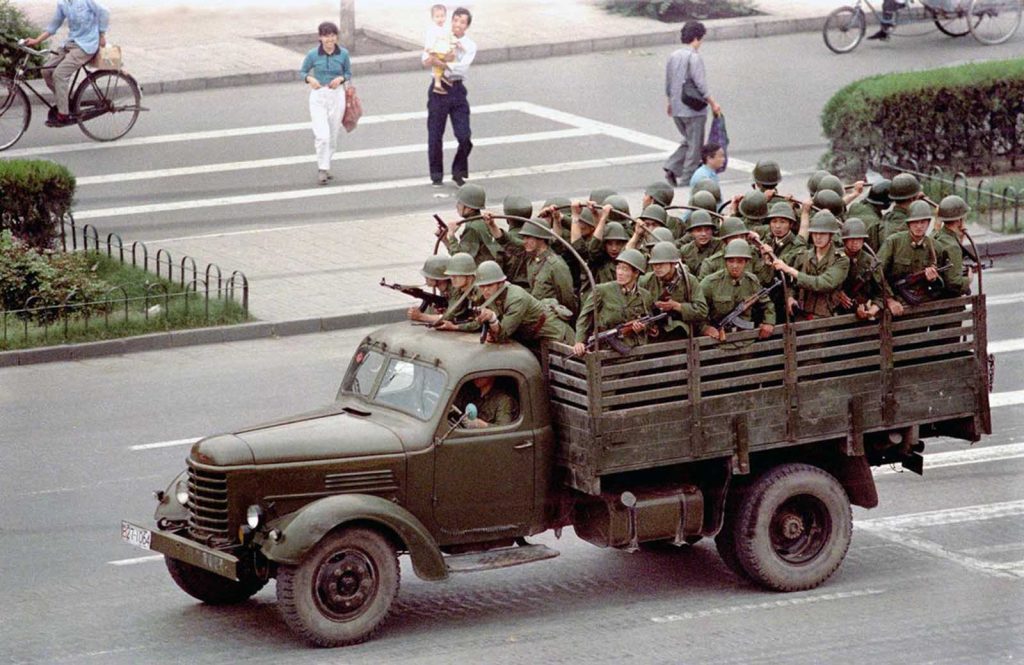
254, 516
181, 492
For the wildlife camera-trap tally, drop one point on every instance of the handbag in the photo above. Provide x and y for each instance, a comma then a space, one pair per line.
717, 134
691, 96
107, 57
353, 110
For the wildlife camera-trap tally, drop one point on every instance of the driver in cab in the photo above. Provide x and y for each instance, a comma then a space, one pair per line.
496, 406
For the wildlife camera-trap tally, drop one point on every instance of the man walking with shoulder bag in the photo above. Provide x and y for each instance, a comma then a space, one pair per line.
688, 100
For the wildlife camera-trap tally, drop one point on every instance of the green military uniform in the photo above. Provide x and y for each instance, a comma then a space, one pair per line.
459, 307
957, 283
894, 221
864, 211
716, 262
900, 257
723, 293
787, 248
549, 277
613, 308
685, 290
477, 241
864, 282
497, 407
514, 257
819, 279
693, 255
523, 318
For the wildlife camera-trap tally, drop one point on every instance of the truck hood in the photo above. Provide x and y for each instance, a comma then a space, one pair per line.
325, 434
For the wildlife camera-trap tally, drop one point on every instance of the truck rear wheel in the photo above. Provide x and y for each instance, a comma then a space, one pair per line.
209, 587
793, 527
342, 591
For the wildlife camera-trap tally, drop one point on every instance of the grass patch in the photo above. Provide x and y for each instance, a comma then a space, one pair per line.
140, 303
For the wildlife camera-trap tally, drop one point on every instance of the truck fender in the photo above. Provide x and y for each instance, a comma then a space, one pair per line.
302, 530
854, 474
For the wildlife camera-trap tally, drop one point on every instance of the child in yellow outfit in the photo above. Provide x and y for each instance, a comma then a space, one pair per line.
440, 43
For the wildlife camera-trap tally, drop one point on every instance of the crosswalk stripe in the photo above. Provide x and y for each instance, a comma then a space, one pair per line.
1005, 299
963, 457
1006, 345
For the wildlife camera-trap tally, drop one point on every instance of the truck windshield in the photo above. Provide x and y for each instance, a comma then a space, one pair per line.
402, 384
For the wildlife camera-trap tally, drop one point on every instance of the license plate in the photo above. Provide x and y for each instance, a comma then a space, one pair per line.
133, 535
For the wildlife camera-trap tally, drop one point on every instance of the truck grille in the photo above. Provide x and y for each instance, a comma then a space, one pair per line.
207, 503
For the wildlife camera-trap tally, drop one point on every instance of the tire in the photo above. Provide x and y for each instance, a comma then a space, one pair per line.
953, 24
15, 112
209, 587
342, 591
843, 29
106, 105
994, 21
725, 541
793, 528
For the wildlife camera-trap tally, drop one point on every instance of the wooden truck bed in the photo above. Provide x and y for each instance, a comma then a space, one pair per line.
828, 379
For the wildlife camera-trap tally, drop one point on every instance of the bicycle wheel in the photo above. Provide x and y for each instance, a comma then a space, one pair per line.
15, 112
106, 105
844, 28
994, 21
953, 22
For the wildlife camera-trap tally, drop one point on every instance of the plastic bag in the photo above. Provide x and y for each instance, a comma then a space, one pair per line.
353, 110
717, 134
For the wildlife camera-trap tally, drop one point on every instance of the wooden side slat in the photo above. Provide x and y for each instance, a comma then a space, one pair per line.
567, 380
678, 377
752, 364
569, 396
624, 367
843, 365
571, 365
870, 346
837, 336
940, 350
936, 336
643, 396
751, 381
952, 317
759, 347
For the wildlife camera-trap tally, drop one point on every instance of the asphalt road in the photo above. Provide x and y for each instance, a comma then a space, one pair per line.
241, 158
934, 574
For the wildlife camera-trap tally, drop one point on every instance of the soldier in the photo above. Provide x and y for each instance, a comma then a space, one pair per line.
548, 274
823, 269
555, 210
702, 229
514, 254
605, 247
662, 193
871, 208
753, 208
726, 288
779, 238
827, 199
495, 406
703, 201
510, 313
951, 213
767, 176
912, 254
904, 190
863, 290
598, 195
812, 182
731, 229
675, 291
653, 217
617, 302
480, 237
652, 238
620, 211
459, 317
434, 273
710, 186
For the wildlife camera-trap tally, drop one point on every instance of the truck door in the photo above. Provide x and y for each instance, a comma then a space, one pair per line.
484, 478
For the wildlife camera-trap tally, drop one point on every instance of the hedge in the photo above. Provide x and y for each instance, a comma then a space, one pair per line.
13, 26
674, 11
34, 196
50, 279
968, 118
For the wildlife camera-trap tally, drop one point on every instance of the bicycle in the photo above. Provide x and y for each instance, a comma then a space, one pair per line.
105, 104
989, 21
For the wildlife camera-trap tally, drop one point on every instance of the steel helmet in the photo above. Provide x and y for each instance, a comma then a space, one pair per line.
661, 192
559, 202
633, 257
536, 228
618, 204
654, 213
615, 231
700, 218
952, 208
826, 199
664, 252
812, 182
489, 272
461, 264
904, 186
732, 226
854, 228
704, 199
767, 173
830, 182
434, 267
707, 185
754, 206
599, 195
518, 206
782, 210
879, 193
587, 217
824, 221
660, 234
919, 210
472, 196
737, 249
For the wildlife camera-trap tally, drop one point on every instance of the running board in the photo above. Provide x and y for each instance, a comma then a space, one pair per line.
500, 558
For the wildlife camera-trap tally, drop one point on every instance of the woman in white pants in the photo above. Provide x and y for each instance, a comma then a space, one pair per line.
327, 71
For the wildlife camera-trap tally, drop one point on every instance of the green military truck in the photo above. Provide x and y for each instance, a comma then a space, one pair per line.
762, 445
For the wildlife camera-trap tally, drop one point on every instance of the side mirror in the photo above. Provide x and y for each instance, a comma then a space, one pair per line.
469, 414
471, 411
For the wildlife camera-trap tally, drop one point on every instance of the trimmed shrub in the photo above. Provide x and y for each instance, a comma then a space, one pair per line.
34, 196
13, 26
968, 118
675, 11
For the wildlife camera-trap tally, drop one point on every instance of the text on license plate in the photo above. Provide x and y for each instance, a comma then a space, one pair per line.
133, 535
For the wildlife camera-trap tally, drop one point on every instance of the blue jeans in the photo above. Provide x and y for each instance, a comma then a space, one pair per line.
454, 105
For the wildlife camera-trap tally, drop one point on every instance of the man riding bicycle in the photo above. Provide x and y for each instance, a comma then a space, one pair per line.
87, 28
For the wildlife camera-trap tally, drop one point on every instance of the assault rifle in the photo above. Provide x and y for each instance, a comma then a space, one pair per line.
613, 337
733, 320
438, 302
916, 289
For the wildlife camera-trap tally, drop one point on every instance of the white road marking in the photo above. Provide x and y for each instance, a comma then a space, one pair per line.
767, 605
166, 444
271, 197
132, 562
962, 457
1004, 299
995, 549
1006, 345
895, 530
274, 162
1011, 398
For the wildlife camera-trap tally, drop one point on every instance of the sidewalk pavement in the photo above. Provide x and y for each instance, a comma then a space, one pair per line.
178, 45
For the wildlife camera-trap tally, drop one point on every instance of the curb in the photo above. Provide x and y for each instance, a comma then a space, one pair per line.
182, 338
370, 65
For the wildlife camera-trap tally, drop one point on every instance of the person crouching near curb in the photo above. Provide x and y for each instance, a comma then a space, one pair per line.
327, 70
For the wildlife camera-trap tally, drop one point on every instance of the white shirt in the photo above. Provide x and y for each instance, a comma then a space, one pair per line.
433, 33
465, 51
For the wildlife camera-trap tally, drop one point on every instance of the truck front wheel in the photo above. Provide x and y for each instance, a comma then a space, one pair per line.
342, 591
209, 587
793, 527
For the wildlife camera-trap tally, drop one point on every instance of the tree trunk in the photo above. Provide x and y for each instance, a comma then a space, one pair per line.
347, 25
